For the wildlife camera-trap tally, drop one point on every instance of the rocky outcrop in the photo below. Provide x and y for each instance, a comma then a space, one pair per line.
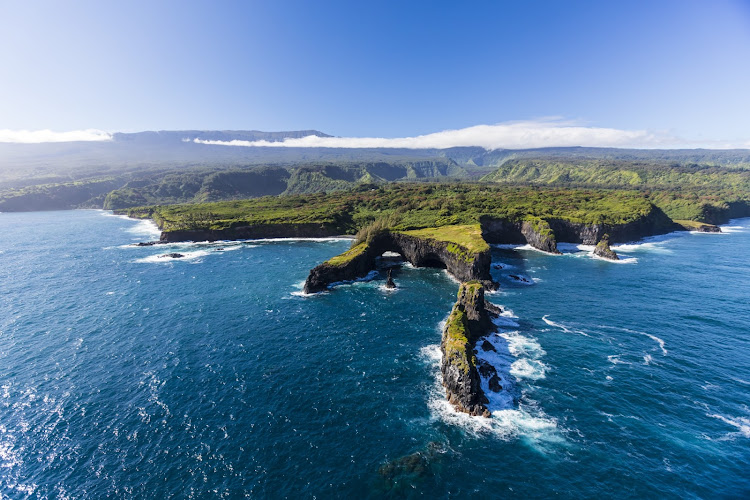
470, 319
255, 231
389, 283
535, 232
603, 250
539, 235
420, 252
708, 228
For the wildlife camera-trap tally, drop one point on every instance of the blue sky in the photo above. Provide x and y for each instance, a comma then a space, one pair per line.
678, 69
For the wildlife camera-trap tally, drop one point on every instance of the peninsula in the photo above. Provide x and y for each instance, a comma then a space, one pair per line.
449, 226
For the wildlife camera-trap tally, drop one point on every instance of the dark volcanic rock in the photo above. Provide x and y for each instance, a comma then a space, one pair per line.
487, 346
708, 228
172, 256
495, 384
468, 321
389, 282
539, 235
149, 243
486, 369
602, 249
519, 278
420, 252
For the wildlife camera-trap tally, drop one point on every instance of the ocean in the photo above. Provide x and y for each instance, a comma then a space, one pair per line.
129, 375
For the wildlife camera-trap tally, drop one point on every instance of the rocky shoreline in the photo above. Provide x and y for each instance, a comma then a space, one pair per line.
471, 316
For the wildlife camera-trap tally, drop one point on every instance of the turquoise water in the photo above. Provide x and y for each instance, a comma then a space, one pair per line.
128, 375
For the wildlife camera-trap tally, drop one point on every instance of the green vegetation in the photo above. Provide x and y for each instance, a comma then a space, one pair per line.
456, 344
540, 226
692, 225
411, 206
348, 256
685, 191
464, 241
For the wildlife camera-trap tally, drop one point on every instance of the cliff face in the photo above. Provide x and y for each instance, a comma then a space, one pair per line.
251, 232
420, 252
469, 320
544, 234
540, 236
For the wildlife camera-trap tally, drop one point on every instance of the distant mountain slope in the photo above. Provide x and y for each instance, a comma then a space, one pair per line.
170, 167
683, 191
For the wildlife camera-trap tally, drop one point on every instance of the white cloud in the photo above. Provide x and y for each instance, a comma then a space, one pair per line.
37, 136
509, 135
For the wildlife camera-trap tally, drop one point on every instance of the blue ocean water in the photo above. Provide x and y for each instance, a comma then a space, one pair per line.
124, 374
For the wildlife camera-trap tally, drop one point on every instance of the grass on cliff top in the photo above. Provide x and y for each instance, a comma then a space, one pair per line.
691, 225
469, 236
346, 257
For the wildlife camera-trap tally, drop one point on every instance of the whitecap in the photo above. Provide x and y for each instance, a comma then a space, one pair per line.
647, 359
520, 345
530, 369
563, 327
144, 228
656, 339
615, 360
742, 424
732, 229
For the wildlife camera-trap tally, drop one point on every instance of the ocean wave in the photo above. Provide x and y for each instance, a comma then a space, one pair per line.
508, 421
563, 327
650, 243
732, 229
662, 344
615, 360
145, 228
742, 424
368, 277
529, 369
623, 259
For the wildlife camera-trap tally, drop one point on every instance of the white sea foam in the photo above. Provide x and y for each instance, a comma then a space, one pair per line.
145, 228
385, 289
623, 259
525, 421
520, 345
615, 360
165, 259
563, 327
530, 369
742, 424
656, 244
647, 359
732, 229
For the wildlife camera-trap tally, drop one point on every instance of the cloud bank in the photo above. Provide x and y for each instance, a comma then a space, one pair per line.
510, 135
39, 136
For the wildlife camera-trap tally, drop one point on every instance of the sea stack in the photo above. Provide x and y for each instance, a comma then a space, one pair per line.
603, 250
389, 282
470, 319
